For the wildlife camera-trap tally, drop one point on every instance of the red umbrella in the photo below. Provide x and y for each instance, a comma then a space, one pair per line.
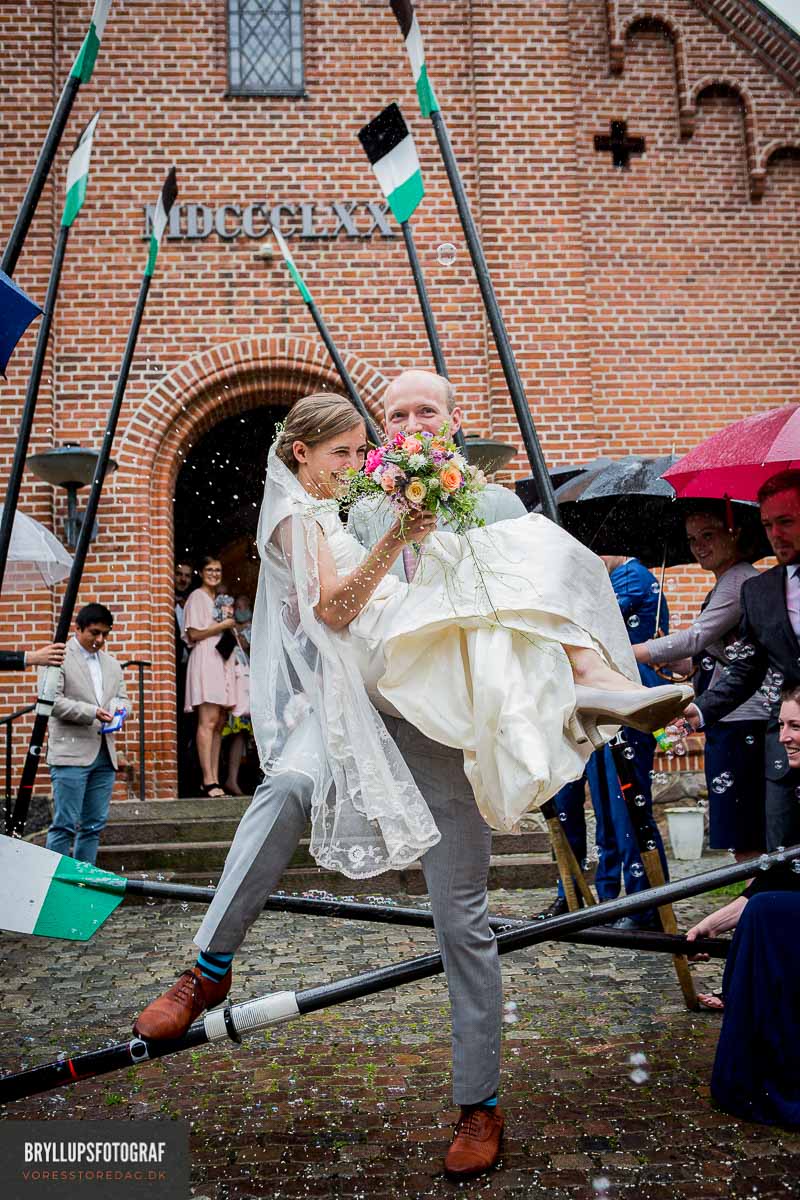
738, 459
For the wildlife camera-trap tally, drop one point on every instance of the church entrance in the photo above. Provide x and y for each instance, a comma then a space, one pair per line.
218, 495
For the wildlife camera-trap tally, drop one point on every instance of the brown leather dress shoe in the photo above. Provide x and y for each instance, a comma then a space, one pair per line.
476, 1143
171, 1014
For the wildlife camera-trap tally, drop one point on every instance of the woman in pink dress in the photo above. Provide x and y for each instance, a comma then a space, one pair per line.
210, 681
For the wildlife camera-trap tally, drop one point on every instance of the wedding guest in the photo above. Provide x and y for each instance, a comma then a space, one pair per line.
80, 751
210, 683
618, 858
51, 655
238, 728
734, 747
769, 632
183, 578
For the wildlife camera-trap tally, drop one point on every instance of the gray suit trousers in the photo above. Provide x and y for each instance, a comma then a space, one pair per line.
456, 871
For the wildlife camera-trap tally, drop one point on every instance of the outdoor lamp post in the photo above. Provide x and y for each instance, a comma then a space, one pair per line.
70, 466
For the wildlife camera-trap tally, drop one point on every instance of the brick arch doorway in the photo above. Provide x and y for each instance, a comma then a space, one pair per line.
218, 494
225, 382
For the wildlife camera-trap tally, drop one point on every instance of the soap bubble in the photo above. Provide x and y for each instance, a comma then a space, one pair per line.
637, 1059
601, 1185
778, 763
707, 663
654, 587
628, 752
446, 254
639, 800
796, 865
749, 740
633, 621
639, 1075
763, 863
637, 870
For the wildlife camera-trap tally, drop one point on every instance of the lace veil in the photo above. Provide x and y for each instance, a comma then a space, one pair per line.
309, 708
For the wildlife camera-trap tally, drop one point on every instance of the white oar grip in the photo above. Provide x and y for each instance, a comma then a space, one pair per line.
254, 1014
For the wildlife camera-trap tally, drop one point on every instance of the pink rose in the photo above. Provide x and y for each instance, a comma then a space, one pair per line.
389, 478
412, 445
374, 459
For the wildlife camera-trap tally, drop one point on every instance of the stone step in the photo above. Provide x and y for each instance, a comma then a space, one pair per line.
209, 856
185, 808
505, 871
203, 829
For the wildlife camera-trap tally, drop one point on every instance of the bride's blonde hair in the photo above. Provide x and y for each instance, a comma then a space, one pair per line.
312, 420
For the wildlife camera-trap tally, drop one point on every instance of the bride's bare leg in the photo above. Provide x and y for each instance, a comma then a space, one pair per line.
589, 670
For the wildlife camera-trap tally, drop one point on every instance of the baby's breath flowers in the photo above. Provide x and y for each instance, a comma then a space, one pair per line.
420, 471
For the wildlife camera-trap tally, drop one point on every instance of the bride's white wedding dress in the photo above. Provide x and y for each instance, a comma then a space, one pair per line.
471, 652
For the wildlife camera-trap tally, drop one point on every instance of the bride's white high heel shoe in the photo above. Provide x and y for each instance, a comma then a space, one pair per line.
646, 709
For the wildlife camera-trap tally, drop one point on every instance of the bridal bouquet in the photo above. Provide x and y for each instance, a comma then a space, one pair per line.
416, 471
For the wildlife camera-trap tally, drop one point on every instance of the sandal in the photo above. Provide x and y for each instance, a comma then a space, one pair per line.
711, 1001
207, 789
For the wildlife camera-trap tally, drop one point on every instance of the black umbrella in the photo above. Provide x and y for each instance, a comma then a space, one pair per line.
528, 489
625, 507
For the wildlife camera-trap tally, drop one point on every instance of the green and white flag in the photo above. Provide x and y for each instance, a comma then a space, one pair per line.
161, 219
87, 55
409, 27
51, 895
78, 172
391, 150
293, 271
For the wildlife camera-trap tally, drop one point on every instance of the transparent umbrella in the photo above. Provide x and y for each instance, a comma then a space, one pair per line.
36, 558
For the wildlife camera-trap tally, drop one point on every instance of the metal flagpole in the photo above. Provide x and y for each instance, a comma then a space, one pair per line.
47, 689
390, 150
81, 73
77, 176
409, 27
234, 1020
29, 407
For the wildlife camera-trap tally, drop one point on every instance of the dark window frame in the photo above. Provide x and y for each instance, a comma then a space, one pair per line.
237, 90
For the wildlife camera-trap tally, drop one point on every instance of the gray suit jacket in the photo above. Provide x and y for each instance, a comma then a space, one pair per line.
74, 736
372, 517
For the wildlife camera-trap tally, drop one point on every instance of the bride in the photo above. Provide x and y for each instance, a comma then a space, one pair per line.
508, 644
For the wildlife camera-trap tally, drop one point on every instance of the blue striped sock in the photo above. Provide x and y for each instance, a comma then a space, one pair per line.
213, 966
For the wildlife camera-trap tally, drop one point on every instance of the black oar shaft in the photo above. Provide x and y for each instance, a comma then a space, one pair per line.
47, 691
255, 1014
39, 177
424, 301
499, 332
427, 314
343, 372
421, 918
29, 407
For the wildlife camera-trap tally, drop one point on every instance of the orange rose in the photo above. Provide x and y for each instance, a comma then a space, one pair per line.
450, 478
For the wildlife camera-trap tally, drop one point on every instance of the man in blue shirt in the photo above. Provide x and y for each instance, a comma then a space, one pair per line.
637, 591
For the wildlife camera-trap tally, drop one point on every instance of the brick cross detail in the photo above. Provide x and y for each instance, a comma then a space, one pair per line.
619, 144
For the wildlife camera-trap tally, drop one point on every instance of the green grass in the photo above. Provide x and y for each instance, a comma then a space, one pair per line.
730, 891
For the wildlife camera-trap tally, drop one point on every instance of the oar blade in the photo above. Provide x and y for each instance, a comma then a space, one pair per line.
51, 895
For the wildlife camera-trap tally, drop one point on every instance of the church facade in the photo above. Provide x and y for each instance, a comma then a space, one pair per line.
634, 169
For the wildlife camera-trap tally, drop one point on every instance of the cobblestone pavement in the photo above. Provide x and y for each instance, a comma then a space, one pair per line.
354, 1101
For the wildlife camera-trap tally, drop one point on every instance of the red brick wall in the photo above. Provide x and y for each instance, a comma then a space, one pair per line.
646, 307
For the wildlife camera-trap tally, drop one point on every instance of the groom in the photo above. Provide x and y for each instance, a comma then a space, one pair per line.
456, 869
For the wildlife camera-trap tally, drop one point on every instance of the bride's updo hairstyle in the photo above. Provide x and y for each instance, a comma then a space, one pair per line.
312, 420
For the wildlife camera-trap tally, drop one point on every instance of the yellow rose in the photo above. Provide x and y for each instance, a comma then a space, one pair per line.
415, 491
450, 478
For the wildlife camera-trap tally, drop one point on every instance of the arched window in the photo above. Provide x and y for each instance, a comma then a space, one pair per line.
265, 47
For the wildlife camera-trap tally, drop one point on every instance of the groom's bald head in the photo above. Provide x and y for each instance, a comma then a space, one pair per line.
420, 400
